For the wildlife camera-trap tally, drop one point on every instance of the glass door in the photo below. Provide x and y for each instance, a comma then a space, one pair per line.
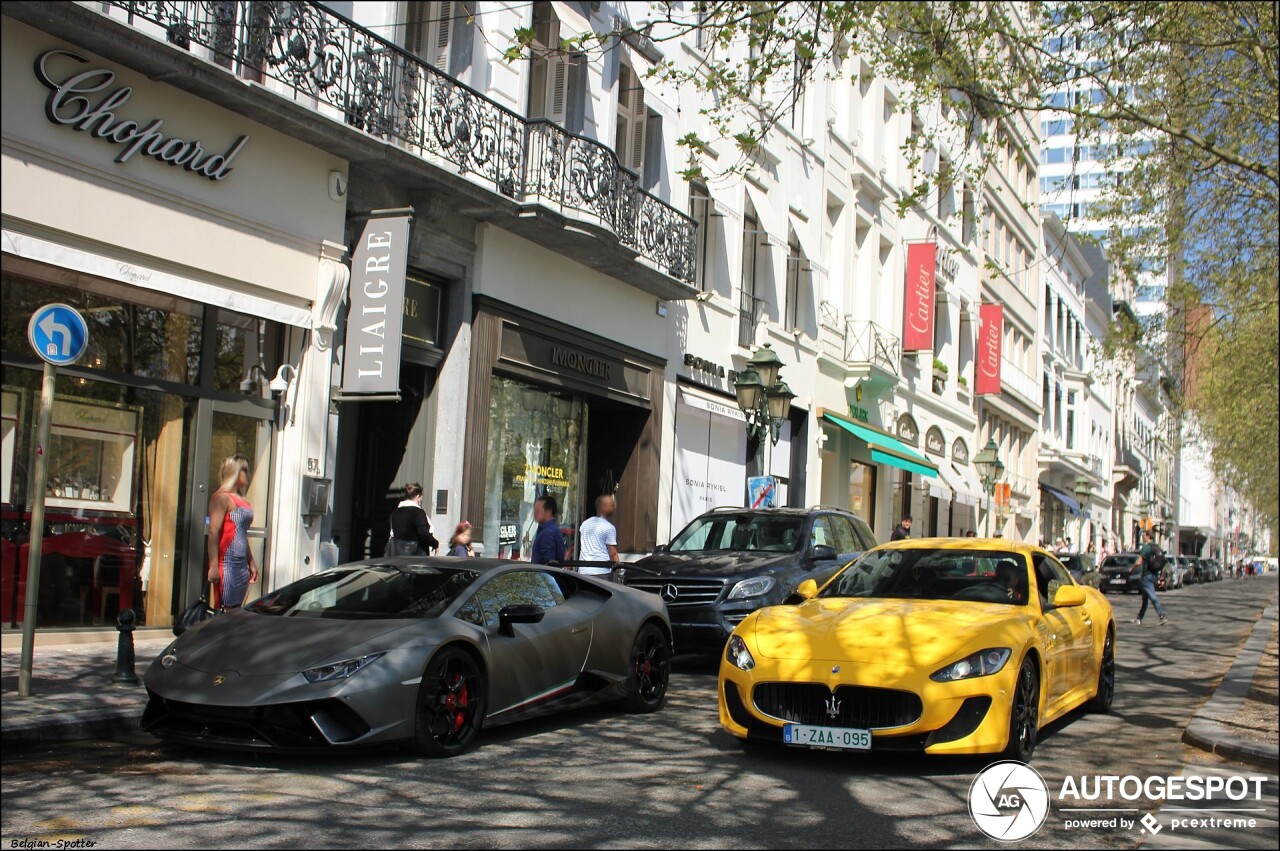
224, 429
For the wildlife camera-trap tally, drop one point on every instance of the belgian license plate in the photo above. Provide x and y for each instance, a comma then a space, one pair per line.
845, 738
1118, 581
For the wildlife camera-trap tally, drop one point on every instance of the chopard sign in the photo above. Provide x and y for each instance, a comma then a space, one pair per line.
69, 104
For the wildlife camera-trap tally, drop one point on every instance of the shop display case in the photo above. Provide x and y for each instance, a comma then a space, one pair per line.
92, 448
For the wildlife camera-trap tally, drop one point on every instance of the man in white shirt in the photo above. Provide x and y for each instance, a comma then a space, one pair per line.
597, 539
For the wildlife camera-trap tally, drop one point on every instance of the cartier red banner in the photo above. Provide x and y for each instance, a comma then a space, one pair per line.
918, 303
989, 342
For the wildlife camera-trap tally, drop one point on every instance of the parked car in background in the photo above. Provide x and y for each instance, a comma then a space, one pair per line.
1185, 567
1082, 567
1121, 572
731, 561
1209, 570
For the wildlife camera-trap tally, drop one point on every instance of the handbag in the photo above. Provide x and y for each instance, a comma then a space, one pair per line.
196, 614
397, 547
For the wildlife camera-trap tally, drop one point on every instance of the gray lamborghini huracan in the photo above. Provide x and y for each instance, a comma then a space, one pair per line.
424, 650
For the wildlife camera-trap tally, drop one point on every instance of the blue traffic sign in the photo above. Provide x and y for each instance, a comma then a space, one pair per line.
59, 334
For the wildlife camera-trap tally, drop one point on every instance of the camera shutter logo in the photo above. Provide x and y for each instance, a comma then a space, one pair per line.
1009, 801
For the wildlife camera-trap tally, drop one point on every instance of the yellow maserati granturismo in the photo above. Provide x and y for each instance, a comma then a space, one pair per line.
945, 645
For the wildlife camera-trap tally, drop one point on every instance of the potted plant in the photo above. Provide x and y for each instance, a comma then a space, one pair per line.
939, 369
963, 382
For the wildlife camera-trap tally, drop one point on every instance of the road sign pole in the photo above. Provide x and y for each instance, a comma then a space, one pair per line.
36, 540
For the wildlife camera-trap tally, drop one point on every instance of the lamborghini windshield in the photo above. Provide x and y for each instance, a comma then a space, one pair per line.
935, 574
367, 592
740, 531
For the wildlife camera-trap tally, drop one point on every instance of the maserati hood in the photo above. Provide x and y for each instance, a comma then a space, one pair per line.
715, 563
264, 645
916, 633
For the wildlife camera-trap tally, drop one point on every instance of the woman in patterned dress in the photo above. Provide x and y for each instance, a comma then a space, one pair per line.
231, 566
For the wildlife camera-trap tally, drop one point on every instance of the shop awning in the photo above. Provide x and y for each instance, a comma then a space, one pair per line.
1063, 497
937, 486
808, 245
723, 407
772, 229
885, 448
958, 484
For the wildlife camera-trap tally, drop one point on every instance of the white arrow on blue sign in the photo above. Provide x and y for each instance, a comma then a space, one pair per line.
59, 334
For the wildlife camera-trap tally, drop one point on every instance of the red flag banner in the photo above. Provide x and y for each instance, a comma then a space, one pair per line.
990, 339
919, 300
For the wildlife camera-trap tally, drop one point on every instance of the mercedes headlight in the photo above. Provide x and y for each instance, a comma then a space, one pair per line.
984, 663
739, 655
756, 587
339, 670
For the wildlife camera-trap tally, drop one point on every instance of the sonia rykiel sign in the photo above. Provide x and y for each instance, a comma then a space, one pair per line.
69, 104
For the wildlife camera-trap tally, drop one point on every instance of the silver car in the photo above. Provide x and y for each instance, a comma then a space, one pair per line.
423, 650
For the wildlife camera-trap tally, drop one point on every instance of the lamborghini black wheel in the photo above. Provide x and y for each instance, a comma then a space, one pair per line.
650, 669
451, 702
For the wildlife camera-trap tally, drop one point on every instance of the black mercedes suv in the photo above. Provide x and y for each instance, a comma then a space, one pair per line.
731, 561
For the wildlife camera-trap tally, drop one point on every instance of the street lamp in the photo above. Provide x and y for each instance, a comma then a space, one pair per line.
1083, 495
763, 396
991, 469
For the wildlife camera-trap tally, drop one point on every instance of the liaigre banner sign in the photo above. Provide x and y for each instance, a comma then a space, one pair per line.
375, 320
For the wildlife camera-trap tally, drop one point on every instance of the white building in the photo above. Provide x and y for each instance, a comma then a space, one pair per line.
1076, 420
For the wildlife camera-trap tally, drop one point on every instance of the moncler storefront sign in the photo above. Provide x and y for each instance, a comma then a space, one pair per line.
71, 104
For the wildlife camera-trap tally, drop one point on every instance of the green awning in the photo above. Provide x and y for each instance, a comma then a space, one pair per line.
885, 448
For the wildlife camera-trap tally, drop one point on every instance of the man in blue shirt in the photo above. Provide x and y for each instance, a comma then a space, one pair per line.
548, 542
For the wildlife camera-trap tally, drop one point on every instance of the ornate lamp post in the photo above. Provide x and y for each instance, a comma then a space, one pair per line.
1083, 495
764, 398
991, 469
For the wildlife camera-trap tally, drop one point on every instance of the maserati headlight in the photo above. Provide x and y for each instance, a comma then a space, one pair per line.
739, 655
984, 663
339, 670
755, 587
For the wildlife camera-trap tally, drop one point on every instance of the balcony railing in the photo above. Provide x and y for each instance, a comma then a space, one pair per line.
334, 66
749, 310
867, 342
1013, 377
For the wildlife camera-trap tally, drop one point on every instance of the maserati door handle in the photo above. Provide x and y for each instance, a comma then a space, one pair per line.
579, 629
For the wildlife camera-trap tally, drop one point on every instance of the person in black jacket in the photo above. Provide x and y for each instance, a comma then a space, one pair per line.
903, 529
410, 529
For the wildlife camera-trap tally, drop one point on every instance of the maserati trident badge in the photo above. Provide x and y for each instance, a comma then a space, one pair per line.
833, 707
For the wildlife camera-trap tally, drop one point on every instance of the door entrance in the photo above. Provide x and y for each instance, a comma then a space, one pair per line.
224, 429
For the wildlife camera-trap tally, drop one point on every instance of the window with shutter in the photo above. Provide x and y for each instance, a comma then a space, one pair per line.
428, 28
548, 70
633, 120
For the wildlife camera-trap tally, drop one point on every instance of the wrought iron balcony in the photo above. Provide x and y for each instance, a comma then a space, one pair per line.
865, 342
329, 63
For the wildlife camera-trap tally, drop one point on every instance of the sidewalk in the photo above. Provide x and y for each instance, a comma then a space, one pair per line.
74, 697
1240, 721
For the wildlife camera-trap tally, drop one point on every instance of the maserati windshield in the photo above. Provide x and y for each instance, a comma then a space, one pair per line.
744, 532
366, 592
925, 574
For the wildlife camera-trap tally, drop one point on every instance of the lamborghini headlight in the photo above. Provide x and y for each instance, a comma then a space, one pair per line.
755, 587
339, 670
739, 655
984, 663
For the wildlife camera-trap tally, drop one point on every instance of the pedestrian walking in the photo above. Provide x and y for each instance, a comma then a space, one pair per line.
1153, 561
598, 539
548, 541
232, 568
460, 543
971, 534
902, 530
410, 528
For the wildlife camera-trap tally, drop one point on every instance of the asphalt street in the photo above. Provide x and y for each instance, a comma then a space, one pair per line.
598, 778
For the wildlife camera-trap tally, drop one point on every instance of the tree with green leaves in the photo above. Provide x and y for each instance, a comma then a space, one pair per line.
1180, 97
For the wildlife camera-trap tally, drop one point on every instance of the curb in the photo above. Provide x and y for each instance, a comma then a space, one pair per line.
95, 724
1209, 736
1206, 730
